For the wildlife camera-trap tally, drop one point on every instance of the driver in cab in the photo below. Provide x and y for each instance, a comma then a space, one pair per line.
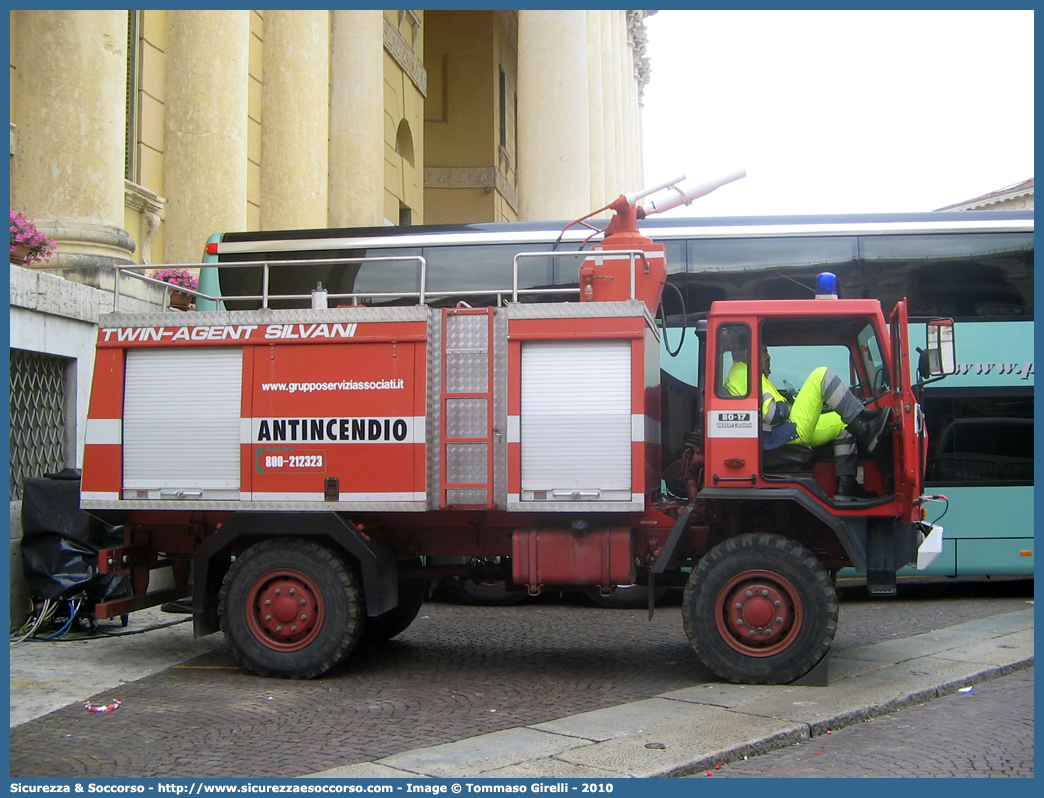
824, 410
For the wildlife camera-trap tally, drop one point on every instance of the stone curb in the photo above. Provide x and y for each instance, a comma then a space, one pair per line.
693, 729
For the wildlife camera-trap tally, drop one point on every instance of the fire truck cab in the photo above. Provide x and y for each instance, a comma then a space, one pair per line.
764, 503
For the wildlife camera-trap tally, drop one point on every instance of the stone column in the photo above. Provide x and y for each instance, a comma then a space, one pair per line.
636, 50
205, 162
295, 121
631, 115
618, 46
596, 111
554, 161
357, 119
69, 111
642, 71
610, 103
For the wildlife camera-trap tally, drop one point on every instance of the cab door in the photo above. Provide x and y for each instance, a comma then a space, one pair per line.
732, 399
910, 436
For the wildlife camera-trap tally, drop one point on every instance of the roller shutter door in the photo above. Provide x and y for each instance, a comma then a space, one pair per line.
576, 417
181, 421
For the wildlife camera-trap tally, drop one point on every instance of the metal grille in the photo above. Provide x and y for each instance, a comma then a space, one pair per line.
37, 416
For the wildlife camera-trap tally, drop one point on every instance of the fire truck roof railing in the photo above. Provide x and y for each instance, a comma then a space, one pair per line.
136, 272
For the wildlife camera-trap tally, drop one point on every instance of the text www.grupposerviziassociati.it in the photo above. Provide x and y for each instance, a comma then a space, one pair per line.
337, 385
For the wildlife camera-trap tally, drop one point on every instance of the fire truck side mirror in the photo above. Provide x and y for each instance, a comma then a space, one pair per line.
938, 358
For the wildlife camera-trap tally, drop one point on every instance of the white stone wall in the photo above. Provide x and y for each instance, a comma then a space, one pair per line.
55, 316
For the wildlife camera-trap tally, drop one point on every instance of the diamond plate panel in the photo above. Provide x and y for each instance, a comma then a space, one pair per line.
577, 310
467, 372
466, 496
467, 332
293, 316
241, 506
433, 427
500, 423
465, 463
467, 354
466, 418
37, 416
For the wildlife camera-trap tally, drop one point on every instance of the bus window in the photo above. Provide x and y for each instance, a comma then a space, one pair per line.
483, 267
378, 278
766, 268
976, 438
674, 252
959, 276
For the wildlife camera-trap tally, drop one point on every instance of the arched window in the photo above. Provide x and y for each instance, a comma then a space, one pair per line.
404, 142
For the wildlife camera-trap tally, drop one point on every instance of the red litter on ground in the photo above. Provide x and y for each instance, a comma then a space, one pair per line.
110, 707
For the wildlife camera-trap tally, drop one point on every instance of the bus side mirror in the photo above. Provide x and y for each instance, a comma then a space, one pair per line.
938, 358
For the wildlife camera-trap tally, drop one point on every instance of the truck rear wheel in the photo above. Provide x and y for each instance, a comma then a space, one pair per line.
760, 609
290, 608
412, 593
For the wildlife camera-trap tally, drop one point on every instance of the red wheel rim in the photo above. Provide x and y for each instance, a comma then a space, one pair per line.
759, 613
285, 610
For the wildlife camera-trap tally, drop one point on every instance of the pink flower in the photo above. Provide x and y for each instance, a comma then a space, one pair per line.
25, 234
182, 278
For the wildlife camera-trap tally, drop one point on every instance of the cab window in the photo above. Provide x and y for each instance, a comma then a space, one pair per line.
732, 380
871, 370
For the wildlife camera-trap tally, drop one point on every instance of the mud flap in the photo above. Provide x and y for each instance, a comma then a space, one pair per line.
668, 550
889, 546
931, 547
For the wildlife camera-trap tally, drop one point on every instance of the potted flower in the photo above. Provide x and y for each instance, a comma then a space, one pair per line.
28, 245
181, 278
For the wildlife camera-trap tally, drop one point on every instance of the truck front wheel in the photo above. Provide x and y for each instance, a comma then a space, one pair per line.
290, 608
760, 609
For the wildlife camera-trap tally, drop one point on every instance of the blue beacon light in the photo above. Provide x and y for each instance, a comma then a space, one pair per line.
826, 286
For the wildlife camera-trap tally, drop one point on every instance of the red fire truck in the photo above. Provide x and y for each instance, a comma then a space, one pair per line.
301, 469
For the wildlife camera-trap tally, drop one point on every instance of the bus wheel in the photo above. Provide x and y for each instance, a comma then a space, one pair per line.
290, 608
760, 609
412, 593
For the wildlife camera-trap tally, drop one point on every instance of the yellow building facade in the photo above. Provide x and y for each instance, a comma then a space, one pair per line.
136, 135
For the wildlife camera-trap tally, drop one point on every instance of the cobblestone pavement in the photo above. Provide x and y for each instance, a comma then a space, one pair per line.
984, 733
456, 672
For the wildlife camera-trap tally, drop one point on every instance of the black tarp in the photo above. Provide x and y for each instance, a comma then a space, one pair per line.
60, 542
